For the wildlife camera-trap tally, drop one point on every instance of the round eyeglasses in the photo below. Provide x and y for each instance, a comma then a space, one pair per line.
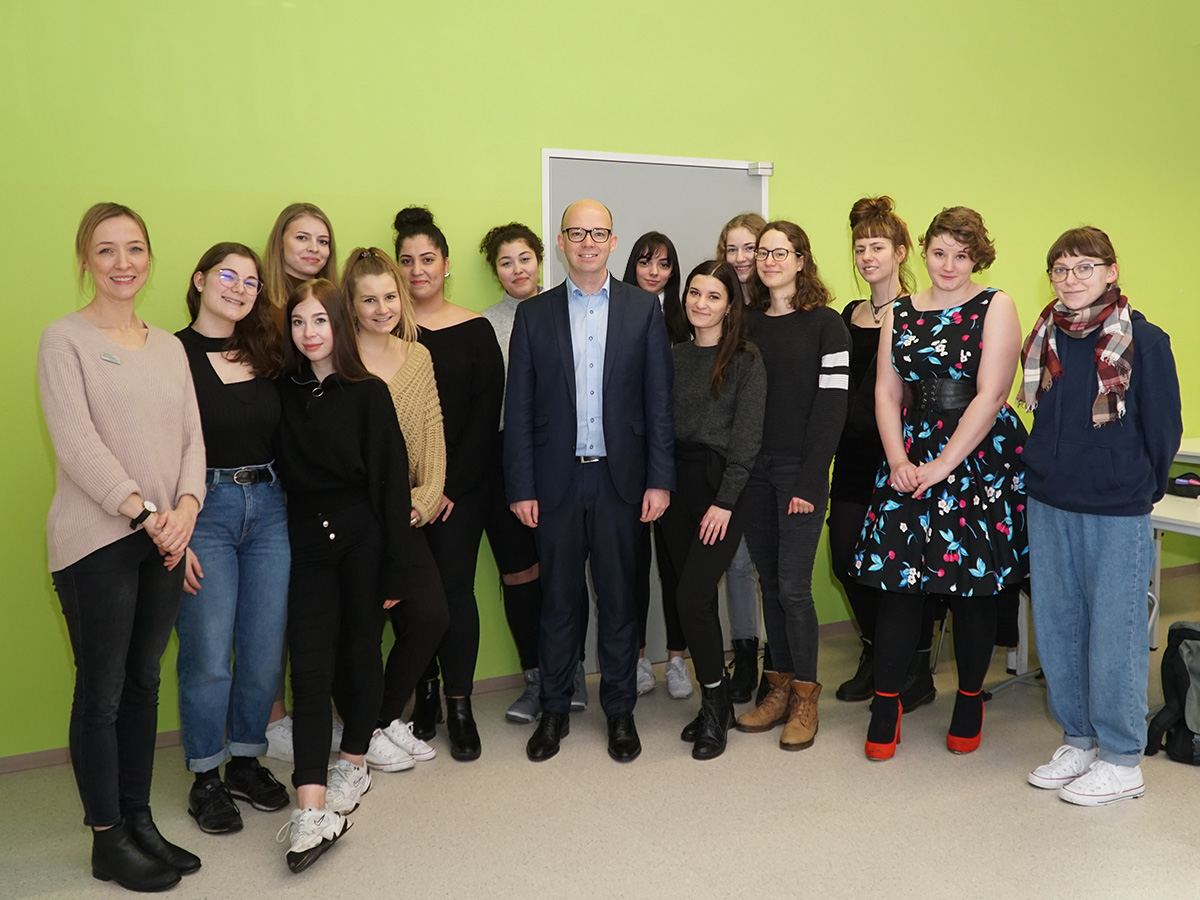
1083, 271
229, 279
576, 235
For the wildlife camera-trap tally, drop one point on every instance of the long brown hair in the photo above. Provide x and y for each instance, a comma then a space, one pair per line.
364, 261
275, 279
346, 361
734, 326
255, 340
875, 217
810, 289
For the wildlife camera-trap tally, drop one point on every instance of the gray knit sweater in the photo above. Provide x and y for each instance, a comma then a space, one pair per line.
731, 424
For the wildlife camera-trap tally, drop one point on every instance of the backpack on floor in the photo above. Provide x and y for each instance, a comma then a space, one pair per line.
1179, 719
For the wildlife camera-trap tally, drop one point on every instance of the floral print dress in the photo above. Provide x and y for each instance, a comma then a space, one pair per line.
966, 535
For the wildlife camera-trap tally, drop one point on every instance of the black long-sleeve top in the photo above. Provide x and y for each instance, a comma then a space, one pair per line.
807, 356
860, 451
239, 419
469, 369
339, 444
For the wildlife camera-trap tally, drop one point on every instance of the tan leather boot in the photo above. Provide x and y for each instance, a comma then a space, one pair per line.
774, 707
801, 725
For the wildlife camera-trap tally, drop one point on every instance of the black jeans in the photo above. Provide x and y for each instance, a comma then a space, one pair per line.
692, 569
335, 625
120, 604
783, 548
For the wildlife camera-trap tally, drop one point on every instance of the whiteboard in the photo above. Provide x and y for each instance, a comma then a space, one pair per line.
689, 200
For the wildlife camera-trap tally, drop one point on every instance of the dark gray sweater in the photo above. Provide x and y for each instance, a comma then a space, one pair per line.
731, 424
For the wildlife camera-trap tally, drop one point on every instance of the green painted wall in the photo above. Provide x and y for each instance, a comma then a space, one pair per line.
209, 118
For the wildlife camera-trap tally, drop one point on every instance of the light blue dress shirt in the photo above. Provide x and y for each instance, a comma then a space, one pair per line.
588, 314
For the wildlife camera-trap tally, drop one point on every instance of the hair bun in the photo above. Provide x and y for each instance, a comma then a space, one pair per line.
871, 208
413, 216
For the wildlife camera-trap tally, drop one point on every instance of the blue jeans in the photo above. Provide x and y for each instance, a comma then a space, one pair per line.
742, 595
1090, 578
241, 541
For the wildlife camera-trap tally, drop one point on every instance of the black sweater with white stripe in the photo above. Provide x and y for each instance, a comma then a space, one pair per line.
807, 356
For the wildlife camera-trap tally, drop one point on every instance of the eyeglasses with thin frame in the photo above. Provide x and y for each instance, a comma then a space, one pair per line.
230, 280
779, 254
576, 235
1083, 271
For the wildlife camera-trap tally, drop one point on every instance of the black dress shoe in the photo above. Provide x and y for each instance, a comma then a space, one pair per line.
213, 809
253, 782
623, 743
145, 834
460, 724
551, 729
116, 857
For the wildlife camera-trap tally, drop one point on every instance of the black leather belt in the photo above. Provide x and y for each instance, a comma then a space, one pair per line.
255, 475
938, 393
584, 460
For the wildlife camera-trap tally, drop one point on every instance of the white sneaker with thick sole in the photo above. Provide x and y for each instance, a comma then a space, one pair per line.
385, 756
679, 683
645, 676
310, 833
347, 784
400, 734
1104, 783
279, 740
1067, 764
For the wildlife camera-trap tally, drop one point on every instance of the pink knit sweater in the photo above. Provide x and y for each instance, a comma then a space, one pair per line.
122, 422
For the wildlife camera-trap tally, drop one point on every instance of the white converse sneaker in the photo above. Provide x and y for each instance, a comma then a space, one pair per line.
679, 683
1067, 764
401, 734
645, 677
279, 740
1104, 783
385, 756
310, 832
347, 784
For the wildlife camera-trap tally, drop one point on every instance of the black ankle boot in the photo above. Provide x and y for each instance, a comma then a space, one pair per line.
716, 711
145, 834
918, 686
116, 857
764, 686
427, 709
861, 685
464, 736
745, 670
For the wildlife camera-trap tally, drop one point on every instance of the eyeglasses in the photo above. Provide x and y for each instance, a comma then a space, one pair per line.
230, 280
779, 254
576, 235
1083, 271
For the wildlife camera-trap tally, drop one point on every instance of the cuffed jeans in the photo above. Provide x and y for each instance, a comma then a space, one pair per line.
120, 603
1090, 577
240, 613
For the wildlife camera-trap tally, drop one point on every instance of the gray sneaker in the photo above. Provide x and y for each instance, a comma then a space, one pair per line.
579, 699
528, 706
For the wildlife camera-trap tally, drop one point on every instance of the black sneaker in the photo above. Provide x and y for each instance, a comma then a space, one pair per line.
213, 809
254, 783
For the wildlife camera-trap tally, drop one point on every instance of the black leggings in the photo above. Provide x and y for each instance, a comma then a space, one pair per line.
335, 624
692, 569
845, 525
641, 587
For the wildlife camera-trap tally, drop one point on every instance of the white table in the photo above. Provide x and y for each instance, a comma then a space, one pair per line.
1189, 452
1172, 513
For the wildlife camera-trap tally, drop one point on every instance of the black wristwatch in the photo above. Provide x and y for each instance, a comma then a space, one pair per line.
147, 508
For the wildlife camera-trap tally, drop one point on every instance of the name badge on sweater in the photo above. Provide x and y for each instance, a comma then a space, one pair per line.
111, 358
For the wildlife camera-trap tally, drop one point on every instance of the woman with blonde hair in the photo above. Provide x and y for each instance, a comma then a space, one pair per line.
299, 247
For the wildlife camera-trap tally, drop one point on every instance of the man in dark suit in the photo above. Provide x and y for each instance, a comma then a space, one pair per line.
588, 451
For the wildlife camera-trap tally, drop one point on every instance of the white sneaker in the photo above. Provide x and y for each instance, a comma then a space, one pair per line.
1104, 783
347, 784
679, 683
401, 734
279, 740
645, 677
335, 744
385, 756
1067, 764
310, 832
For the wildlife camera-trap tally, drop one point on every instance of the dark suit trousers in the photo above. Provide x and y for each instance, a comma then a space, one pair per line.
592, 520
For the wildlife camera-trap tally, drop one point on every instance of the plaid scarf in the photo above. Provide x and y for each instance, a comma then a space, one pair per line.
1114, 352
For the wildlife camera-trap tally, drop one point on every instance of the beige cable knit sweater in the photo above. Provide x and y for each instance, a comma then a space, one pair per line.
122, 422
419, 412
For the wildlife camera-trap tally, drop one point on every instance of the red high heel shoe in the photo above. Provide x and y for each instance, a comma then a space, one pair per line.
957, 743
884, 750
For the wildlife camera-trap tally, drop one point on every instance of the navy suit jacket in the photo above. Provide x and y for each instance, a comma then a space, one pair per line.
540, 419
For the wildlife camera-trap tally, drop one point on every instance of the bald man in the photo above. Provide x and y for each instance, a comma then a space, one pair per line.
589, 453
